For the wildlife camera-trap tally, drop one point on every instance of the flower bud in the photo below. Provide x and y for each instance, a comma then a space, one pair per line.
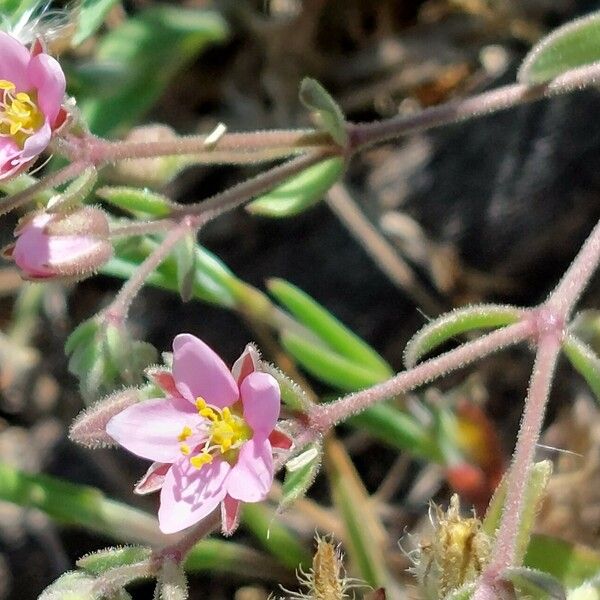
70, 245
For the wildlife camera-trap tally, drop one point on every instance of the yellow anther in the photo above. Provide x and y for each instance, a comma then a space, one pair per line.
23, 97
185, 449
6, 85
15, 127
209, 413
226, 414
185, 434
20, 116
200, 460
200, 403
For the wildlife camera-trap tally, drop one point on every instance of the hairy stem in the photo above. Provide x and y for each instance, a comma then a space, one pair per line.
367, 134
567, 292
323, 417
59, 177
140, 228
237, 195
230, 148
119, 307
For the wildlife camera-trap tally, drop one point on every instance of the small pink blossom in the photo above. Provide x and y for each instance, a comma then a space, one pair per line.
211, 437
68, 245
32, 89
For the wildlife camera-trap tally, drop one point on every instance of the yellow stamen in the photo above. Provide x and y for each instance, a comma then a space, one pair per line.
20, 116
185, 434
185, 449
200, 460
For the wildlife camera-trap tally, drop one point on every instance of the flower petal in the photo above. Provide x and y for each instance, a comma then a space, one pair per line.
199, 372
37, 143
189, 494
251, 477
46, 76
150, 429
230, 515
153, 479
14, 58
261, 401
247, 363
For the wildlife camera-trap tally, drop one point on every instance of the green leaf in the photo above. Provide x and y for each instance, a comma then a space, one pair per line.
336, 335
73, 585
75, 505
273, 536
220, 556
139, 202
539, 476
571, 564
573, 45
444, 328
300, 474
214, 282
584, 360
300, 192
148, 49
398, 429
91, 17
534, 583
328, 366
97, 563
185, 259
327, 111
364, 533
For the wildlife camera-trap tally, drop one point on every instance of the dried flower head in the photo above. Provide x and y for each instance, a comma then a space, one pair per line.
327, 579
455, 555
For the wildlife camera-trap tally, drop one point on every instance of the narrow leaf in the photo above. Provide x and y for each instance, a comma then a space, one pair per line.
138, 202
584, 360
539, 476
327, 327
484, 316
575, 44
327, 111
300, 474
109, 558
300, 192
365, 536
91, 17
571, 564
185, 258
528, 580
328, 366
149, 49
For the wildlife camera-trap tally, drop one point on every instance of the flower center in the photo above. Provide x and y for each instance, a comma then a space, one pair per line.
20, 116
226, 432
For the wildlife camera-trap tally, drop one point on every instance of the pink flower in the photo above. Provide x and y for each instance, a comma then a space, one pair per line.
61, 245
32, 89
211, 438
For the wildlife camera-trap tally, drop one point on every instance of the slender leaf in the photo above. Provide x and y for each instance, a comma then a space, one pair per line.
327, 365
571, 564
91, 17
535, 583
300, 192
138, 202
575, 44
327, 111
585, 361
484, 316
334, 333
365, 536
300, 474
97, 563
149, 49
273, 536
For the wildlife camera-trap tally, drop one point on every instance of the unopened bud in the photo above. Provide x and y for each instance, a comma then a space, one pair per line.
71, 245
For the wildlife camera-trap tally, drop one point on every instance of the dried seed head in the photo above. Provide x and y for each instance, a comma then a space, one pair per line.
326, 580
455, 555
